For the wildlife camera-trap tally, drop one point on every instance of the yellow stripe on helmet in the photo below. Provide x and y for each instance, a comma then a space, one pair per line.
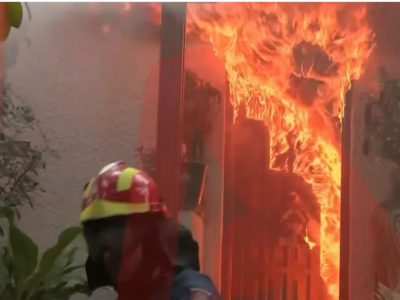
124, 182
88, 189
101, 208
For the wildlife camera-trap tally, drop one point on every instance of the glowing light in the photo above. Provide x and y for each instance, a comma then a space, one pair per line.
310, 244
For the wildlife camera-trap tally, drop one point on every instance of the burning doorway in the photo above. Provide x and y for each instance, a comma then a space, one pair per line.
273, 250
289, 67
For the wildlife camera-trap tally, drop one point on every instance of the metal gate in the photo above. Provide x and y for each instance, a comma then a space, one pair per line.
264, 255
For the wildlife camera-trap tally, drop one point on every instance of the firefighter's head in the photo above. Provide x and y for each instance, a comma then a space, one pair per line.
121, 214
129, 236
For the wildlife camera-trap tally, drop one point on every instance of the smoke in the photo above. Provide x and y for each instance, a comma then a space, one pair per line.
130, 20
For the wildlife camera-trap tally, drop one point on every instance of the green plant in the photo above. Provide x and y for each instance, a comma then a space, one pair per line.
20, 162
11, 16
25, 276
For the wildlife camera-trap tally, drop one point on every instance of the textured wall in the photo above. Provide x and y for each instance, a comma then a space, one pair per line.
85, 89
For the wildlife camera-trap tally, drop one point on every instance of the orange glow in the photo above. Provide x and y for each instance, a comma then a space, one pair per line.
276, 53
310, 244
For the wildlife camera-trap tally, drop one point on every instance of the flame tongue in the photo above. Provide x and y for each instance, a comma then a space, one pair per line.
310, 244
290, 65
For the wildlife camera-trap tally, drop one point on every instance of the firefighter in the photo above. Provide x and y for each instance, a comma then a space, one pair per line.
132, 243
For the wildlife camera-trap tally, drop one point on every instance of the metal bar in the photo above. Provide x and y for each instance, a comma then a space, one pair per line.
170, 98
344, 280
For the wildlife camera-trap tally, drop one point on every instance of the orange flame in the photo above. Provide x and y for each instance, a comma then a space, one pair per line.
310, 243
290, 65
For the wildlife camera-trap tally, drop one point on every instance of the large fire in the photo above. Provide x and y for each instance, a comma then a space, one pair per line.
275, 55
290, 65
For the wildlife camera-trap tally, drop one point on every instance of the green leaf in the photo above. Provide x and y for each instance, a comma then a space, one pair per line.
6, 257
59, 287
3, 275
71, 269
59, 274
24, 251
78, 288
51, 255
17, 213
24, 259
8, 213
70, 257
64, 291
15, 14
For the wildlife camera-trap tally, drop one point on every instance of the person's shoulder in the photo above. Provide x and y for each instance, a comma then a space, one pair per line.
197, 286
200, 294
193, 278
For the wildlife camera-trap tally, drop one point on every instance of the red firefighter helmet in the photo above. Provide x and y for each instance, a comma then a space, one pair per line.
120, 190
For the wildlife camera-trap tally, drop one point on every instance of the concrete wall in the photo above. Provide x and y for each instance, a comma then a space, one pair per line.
94, 95
85, 89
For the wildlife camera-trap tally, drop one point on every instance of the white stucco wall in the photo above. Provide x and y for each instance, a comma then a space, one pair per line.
94, 96
85, 89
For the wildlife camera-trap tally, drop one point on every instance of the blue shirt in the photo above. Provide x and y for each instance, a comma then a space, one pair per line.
187, 285
193, 285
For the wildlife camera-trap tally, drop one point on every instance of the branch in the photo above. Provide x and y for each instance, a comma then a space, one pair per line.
22, 175
28, 9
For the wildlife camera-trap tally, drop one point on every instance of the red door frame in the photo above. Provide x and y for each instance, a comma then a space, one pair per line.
169, 111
